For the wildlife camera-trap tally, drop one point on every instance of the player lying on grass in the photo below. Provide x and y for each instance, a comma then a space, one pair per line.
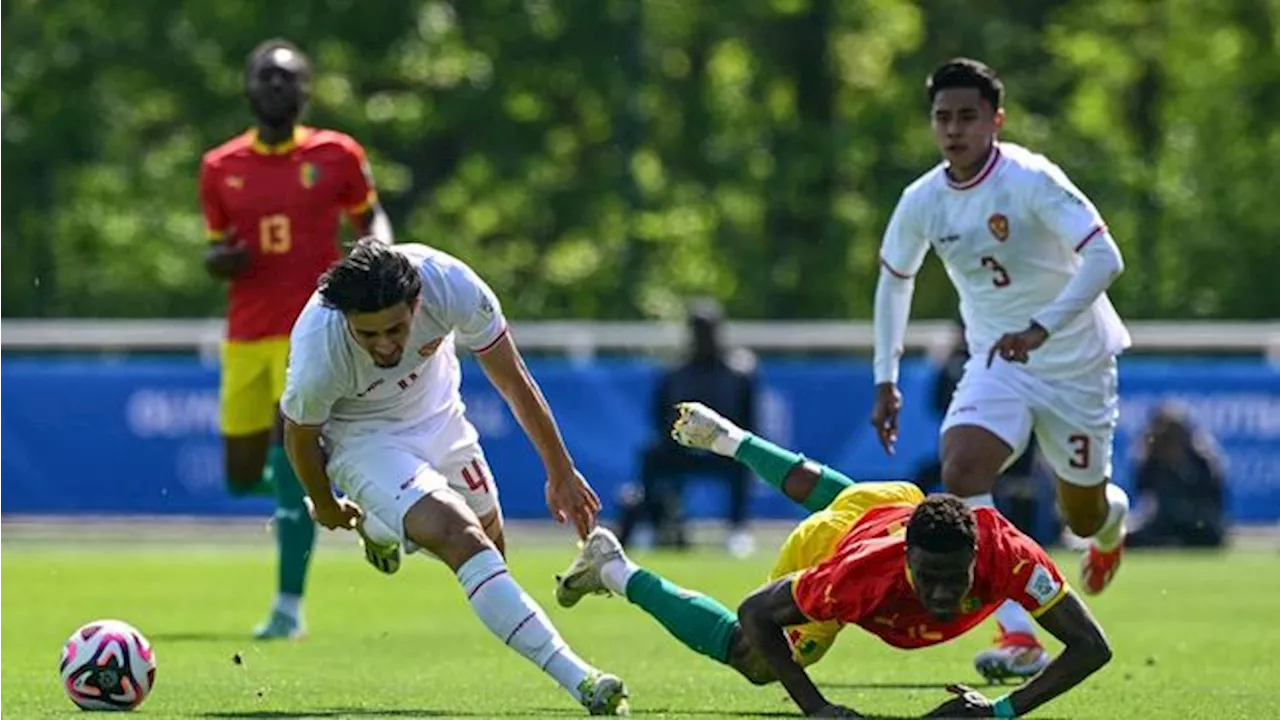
372, 404
914, 571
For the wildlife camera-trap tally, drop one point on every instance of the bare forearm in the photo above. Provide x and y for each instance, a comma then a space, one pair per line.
308, 461
770, 639
1066, 671
534, 415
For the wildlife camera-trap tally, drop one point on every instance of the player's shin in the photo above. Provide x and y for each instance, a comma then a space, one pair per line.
774, 464
702, 624
295, 531
1111, 533
510, 614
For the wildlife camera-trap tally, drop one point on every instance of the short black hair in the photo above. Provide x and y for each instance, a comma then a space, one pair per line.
267, 47
372, 277
966, 73
942, 524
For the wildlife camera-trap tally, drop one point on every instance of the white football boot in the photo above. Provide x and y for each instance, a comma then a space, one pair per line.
604, 694
582, 578
1016, 656
698, 426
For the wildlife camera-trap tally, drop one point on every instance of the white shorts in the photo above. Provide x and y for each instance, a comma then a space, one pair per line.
1074, 419
386, 474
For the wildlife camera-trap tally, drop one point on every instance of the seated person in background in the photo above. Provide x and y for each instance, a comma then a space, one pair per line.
724, 379
1181, 490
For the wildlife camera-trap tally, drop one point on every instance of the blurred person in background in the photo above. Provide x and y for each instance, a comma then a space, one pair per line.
273, 197
1180, 485
719, 377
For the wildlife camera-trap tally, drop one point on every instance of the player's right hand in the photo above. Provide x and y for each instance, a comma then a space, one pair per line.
226, 259
884, 416
336, 513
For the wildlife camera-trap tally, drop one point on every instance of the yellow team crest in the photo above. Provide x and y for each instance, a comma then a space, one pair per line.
308, 173
998, 224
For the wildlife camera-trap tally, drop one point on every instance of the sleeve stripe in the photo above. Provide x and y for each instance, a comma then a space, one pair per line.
893, 271
1052, 601
493, 342
1092, 234
363, 207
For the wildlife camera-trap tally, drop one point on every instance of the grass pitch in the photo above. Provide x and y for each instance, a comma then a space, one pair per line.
1194, 637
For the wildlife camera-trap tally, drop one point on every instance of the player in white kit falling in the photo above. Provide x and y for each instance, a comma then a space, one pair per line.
372, 404
1031, 260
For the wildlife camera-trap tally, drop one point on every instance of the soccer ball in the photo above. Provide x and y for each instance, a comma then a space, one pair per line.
108, 665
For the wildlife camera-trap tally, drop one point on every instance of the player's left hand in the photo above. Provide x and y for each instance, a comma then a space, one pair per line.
571, 499
967, 703
1017, 347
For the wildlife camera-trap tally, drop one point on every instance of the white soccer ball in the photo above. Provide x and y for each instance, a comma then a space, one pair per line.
108, 665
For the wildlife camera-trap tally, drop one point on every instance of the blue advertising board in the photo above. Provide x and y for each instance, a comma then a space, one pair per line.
139, 435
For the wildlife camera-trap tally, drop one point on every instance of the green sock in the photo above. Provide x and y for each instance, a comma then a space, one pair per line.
295, 532
702, 624
773, 463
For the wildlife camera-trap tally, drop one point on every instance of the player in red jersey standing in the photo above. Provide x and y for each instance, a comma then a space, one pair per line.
912, 570
273, 198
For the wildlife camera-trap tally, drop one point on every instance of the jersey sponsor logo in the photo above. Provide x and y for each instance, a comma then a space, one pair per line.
998, 224
308, 174
1042, 586
945, 239
235, 182
430, 348
372, 386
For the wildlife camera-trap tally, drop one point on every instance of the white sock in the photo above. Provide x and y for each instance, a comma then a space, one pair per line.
616, 573
727, 444
1013, 618
517, 620
983, 500
1111, 533
290, 605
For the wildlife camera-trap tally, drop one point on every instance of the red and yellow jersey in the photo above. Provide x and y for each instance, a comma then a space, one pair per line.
284, 203
866, 582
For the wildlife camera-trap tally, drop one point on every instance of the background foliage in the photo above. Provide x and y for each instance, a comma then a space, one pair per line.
606, 158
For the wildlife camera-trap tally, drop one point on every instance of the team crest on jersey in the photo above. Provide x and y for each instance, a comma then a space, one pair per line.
430, 347
308, 173
998, 224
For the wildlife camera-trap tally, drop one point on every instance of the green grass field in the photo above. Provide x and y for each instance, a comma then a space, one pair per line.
1194, 637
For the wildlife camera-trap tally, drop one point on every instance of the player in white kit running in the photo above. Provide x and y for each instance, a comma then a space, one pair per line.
1031, 260
372, 403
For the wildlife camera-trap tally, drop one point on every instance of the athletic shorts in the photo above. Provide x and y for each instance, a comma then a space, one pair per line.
1074, 419
815, 539
253, 373
388, 473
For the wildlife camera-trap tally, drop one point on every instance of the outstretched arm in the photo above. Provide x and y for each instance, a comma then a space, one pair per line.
568, 494
1086, 651
764, 615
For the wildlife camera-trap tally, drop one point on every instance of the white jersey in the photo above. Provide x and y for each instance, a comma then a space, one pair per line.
1009, 240
334, 382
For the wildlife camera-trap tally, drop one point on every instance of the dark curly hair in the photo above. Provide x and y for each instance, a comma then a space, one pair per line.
942, 524
966, 73
371, 278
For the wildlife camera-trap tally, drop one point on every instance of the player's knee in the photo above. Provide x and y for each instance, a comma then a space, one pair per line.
750, 664
445, 528
244, 459
966, 474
